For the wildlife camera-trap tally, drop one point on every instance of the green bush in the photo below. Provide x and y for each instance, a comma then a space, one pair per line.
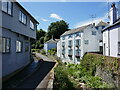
61, 80
43, 51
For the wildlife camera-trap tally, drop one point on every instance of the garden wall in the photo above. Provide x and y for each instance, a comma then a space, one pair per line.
108, 68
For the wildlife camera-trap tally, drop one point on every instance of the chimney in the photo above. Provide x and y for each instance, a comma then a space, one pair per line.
93, 24
113, 14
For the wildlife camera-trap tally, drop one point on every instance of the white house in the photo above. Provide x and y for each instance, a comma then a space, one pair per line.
75, 43
111, 34
52, 43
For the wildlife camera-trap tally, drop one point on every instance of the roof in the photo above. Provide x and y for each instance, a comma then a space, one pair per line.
26, 11
75, 30
116, 23
52, 41
101, 23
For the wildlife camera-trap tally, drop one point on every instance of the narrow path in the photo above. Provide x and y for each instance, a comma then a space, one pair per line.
33, 80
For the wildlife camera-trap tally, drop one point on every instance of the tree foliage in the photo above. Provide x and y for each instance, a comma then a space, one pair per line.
57, 29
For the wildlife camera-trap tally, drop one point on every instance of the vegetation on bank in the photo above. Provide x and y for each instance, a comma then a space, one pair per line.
71, 75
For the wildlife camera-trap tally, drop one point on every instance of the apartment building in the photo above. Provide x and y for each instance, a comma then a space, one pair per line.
75, 43
18, 31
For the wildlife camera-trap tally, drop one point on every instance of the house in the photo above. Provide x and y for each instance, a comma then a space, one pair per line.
75, 43
18, 31
111, 34
52, 43
100, 26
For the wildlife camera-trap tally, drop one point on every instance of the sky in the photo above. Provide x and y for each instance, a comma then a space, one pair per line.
76, 14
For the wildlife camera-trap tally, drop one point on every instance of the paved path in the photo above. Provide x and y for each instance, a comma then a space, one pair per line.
33, 80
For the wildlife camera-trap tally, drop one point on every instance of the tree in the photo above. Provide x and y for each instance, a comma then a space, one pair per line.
57, 29
40, 33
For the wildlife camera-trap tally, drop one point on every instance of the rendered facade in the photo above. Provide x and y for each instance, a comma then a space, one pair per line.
18, 30
111, 34
75, 43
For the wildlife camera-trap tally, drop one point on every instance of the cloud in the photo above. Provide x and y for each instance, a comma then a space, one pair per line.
55, 16
45, 20
96, 21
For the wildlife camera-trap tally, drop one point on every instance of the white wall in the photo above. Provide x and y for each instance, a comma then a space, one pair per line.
114, 42
93, 45
58, 48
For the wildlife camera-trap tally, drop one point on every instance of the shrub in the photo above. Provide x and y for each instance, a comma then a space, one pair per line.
43, 52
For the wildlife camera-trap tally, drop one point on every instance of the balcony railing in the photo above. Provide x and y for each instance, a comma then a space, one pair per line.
70, 45
70, 54
77, 45
77, 55
63, 45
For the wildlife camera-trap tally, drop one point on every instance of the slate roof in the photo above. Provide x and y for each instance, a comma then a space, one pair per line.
101, 23
52, 41
75, 30
116, 23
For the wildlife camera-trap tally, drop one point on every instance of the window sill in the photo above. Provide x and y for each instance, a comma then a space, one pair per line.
7, 13
19, 52
23, 23
5, 52
32, 29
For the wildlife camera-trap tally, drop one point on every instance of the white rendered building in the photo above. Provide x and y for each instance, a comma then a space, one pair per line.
111, 34
75, 43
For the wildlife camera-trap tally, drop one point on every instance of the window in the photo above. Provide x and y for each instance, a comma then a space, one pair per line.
22, 17
93, 32
7, 7
70, 36
77, 42
70, 52
63, 51
26, 46
32, 26
86, 41
5, 45
63, 44
70, 43
78, 34
18, 46
63, 38
78, 52
118, 47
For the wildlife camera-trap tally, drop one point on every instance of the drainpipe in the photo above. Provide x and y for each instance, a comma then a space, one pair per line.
108, 42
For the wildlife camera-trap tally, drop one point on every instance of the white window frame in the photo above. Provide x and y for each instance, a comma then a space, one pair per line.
78, 42
22, 17
86, 42
18, 46
5, 44
94, 32
32, 25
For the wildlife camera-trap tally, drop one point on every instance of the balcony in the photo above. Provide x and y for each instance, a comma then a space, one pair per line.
70, 45
70, 55
63, 52
77, 45
77, 56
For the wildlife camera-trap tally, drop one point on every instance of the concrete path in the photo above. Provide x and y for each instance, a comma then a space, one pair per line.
40, 77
